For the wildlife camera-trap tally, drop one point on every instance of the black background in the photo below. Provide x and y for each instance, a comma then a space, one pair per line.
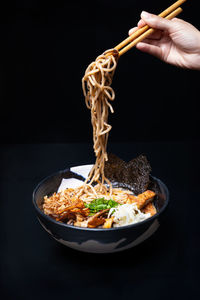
46, 49
45, 127
34, 266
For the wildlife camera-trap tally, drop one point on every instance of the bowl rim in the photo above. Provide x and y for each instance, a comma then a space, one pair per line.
48, 218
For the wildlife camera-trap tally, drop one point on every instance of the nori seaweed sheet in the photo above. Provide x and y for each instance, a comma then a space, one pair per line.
134, 175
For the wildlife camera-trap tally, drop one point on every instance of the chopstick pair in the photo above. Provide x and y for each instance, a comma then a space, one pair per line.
145, 31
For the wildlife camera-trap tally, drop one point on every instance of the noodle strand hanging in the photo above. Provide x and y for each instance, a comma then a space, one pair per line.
98, 94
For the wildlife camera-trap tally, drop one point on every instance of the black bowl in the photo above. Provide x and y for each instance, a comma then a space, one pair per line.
97, 240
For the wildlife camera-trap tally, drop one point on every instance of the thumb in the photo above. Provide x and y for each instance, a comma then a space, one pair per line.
156, 21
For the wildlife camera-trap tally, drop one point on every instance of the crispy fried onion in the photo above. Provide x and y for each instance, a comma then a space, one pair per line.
75, 213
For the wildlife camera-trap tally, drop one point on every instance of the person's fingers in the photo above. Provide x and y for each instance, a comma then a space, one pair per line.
150, 48
156, 21
132, 30
156, 35
141, 23
151, 42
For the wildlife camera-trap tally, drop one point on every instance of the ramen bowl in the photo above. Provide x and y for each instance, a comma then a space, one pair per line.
96, 240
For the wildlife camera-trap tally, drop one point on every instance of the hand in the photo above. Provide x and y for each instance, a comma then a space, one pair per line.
175, 41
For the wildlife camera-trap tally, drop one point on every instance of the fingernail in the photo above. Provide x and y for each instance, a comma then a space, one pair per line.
141, 22
130, 31
145, 14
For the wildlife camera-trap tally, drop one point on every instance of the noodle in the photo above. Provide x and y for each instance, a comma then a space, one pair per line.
98, 92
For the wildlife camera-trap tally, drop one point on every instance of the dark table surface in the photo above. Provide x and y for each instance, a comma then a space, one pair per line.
34, 266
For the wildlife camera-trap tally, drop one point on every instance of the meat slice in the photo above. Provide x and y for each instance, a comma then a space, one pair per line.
142, 199
97, 219
149, 208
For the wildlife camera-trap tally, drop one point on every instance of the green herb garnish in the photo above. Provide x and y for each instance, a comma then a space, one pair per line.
100, 204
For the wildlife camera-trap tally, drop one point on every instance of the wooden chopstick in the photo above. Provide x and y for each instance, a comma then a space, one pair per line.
148, 32
139, 32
